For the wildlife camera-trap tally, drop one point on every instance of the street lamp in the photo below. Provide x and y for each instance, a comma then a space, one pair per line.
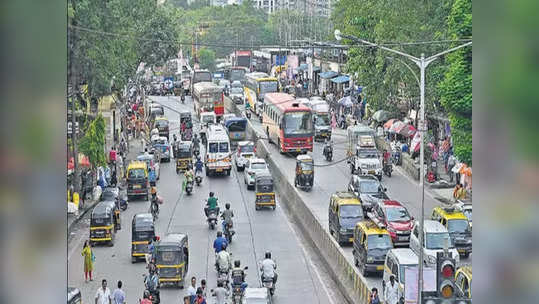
422, 63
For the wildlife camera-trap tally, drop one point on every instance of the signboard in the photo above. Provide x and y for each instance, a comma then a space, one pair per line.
411, 277
243, 53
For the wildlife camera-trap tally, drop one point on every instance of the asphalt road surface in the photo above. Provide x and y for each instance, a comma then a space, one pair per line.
301, 278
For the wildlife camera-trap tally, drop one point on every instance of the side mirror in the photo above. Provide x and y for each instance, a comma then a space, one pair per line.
385, 189
246, 267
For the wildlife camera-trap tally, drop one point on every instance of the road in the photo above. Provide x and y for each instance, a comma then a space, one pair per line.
329, 179
301, 278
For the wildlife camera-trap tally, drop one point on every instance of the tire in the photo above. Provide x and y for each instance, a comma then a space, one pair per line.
257, 207
274, 207
228, 172
147, 197
111, 243
207, 172
466, 255
356, 262
388, 173
133, 260
279, 146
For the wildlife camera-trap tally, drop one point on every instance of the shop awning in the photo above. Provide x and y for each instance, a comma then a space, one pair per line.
328, 75
341, 79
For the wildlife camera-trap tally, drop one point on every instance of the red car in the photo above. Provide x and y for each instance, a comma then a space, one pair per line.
395, 217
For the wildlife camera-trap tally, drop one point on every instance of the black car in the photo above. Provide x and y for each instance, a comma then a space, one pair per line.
368, 189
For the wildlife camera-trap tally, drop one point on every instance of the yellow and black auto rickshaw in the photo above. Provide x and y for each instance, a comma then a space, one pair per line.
116, 210
73, 296
264, 192
102, 228
304, 172
172, 259
142, 231
184, 155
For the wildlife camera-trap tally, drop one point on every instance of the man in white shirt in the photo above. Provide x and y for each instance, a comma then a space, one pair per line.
391, 292
224, 262
102, 296
268, 268
192, 290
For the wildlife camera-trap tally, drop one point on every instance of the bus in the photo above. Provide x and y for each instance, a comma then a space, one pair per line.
237, 128
208, 97
243, 58
237, 73
287, 123
200, 76
256, 85
218, 155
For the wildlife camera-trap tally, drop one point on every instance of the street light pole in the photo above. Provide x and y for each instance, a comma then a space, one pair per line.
422, 63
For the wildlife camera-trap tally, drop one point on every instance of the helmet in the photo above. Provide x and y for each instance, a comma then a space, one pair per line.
227, 205
268, 255
237, 263
219, 234
146, 294
211, 194
153, 190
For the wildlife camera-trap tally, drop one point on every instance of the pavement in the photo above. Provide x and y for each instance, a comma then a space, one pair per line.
301, 276
329, 179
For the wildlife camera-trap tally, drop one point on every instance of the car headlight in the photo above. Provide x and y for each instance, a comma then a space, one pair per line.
363, 166
431, 259
343, 230
468, 241
370, 259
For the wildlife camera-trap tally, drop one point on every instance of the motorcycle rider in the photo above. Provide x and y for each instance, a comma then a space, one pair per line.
146, 298
268, 268
154, 205
211, 204
189, 176
198, 166
328, 146
223, 261
238, 275
387, 157
219, 242
151, 282
227, 216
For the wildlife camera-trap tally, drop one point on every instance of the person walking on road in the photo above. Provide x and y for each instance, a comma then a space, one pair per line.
391, 294
88, 261
118, 295
102, 296
220, 294
191, 290
200, 297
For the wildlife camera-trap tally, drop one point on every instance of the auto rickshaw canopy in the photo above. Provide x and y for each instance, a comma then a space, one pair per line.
264, 183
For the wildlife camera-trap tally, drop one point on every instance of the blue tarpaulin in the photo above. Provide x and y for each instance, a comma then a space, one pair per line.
302, 67
341, 79
328, 74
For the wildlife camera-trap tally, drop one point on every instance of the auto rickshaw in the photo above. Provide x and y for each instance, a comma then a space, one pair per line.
73, 296
172, 259
184, 156
304, 172
102, 227
142, 231
264, 192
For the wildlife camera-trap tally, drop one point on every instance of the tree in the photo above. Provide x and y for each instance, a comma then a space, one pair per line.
207, 59
456, 88
92, 144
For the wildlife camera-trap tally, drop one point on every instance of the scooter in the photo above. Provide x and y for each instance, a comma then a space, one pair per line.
198, 180
228, 233
154, 295
268, 283
189, 187
397, 161
211, 215
388, 168
328, 152
123, 200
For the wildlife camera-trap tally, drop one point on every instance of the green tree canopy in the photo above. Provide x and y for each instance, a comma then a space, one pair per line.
92, 144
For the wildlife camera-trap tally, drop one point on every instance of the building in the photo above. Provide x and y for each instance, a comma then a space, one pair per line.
269, 6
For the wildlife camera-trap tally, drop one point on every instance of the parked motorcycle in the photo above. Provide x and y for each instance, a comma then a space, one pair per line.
397, 160
122, 199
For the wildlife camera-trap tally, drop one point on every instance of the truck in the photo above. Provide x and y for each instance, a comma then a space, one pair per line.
363, 156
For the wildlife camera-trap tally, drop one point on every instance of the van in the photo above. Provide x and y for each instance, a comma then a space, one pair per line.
397, 260
344, 213
370, 246
458, 227
218, 155
436, 238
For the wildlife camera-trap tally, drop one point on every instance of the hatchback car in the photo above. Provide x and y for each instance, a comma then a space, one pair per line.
253, 167
436, 238
395, 217
367, 189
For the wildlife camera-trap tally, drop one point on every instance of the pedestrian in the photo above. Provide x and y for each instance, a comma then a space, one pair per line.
102, 296
459, 192
373, 297
391, 291
220, 294
187, 300
200, 297
119, 295
89, 259
191, 290
203, 286
451, 161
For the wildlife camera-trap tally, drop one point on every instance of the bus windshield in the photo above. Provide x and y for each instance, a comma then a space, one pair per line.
269, 86
321, 120
201, 76
237, 126
298, 123
237, 74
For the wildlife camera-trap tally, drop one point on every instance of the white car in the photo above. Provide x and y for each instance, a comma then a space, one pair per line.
253, 167
436, 238
256, 296
465, 206
245, 151
162, 145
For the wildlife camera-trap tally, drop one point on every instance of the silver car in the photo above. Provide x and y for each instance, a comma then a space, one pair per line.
253, 167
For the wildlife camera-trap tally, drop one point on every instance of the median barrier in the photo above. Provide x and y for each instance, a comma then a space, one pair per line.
351, 283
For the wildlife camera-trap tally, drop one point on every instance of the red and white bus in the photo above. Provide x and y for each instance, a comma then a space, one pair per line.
287, 123
208, 97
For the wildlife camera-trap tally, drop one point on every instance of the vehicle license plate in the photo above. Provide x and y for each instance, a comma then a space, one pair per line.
403, 238
371, 171
136, 186
381, 267
218, 170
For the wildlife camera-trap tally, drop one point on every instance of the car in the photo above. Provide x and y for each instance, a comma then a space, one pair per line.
457, 225
245, 150
344, 213
367, 189
397, 260
395, 217
162, 125
253, 167
256, 296
370, 246
236, 84
236, 94
463, 281
436, 239
161, 144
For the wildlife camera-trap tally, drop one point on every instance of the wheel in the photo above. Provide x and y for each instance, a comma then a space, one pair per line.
351, 168
177, 171
356, 262
274, 207
133, 260
279, 146
207, 172
466, 255
388, 173
147, 197
363, 270
295, 183
111, 243
228, 172
257, 207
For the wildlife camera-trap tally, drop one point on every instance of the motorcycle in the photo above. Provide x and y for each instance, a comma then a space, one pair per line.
268, 283
183, 98
123, 200
388, 168
211, 216
397, 161
189, 187
228, 233
154, 294
154, 208
328, 152
237, 291
248, 114
222, 277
